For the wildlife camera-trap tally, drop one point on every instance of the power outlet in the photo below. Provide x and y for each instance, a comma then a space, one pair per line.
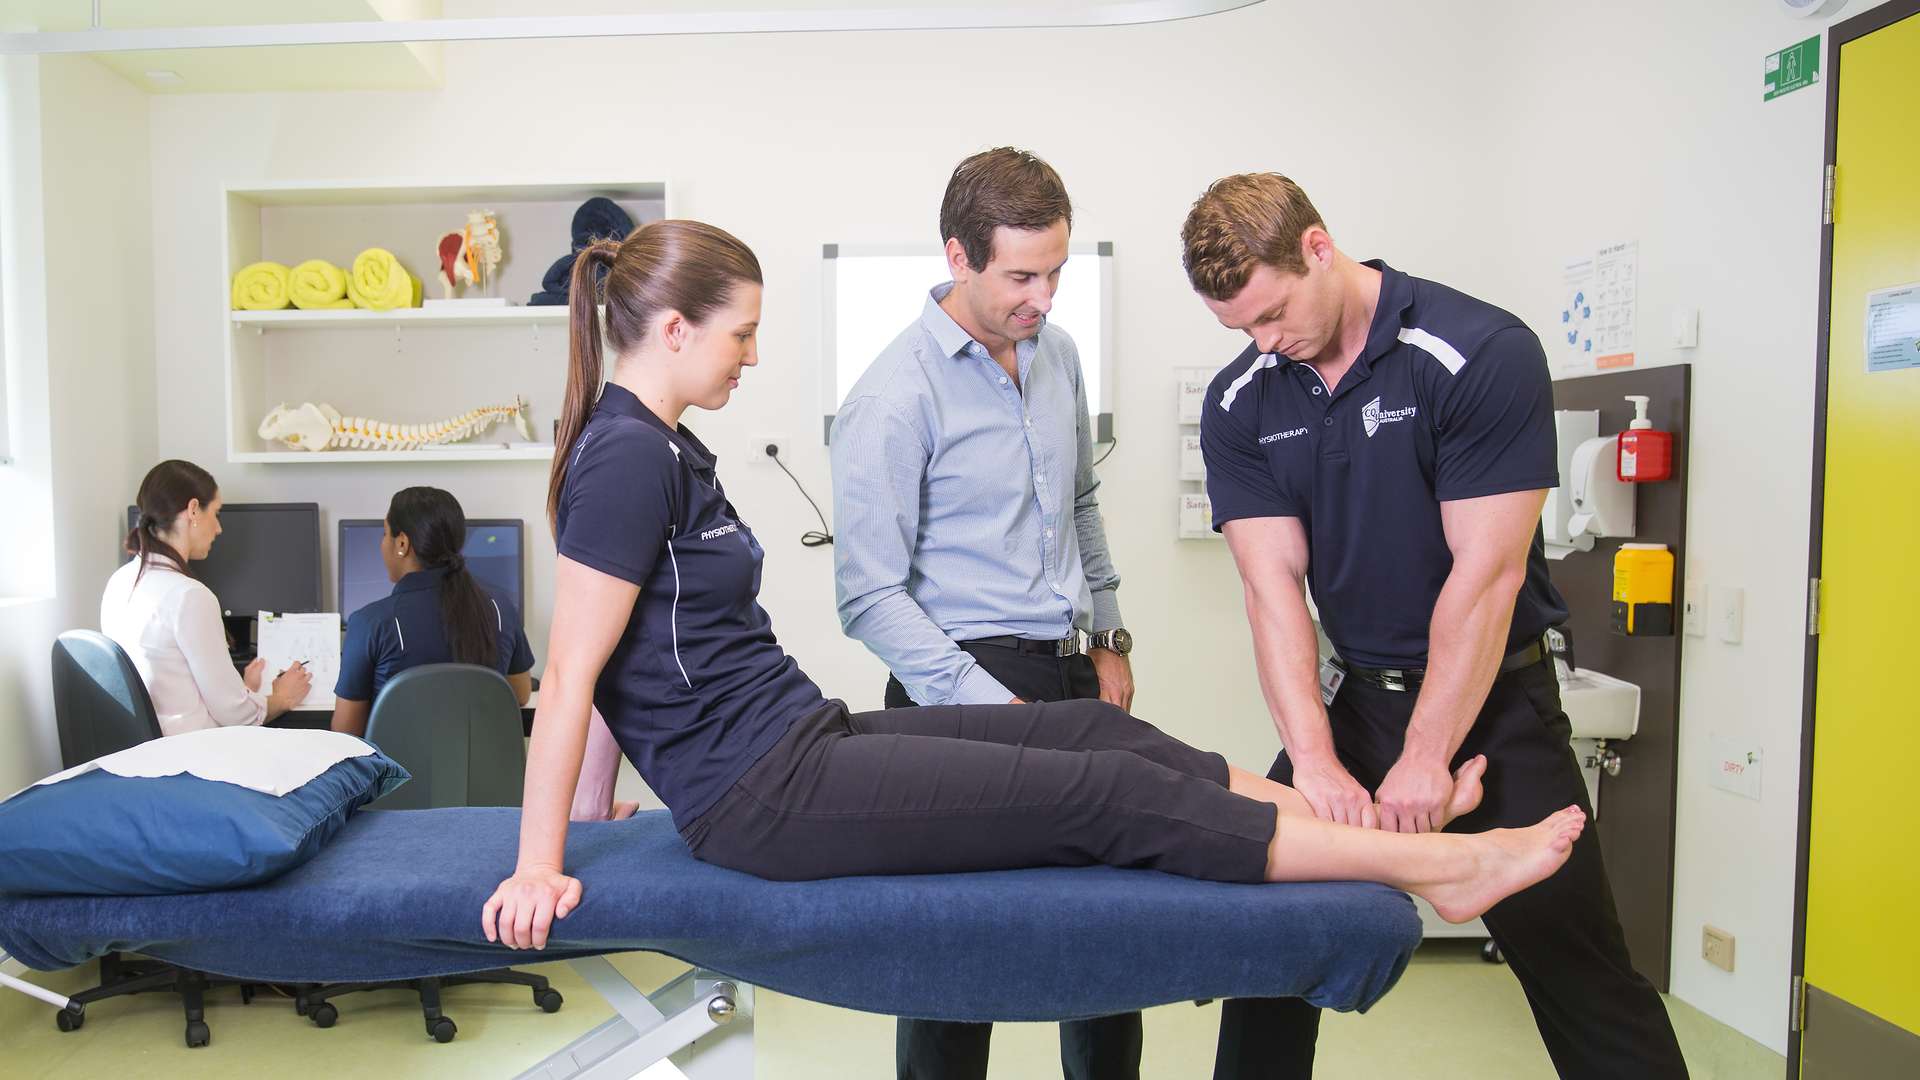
757, 449
1716, 947
1694, 615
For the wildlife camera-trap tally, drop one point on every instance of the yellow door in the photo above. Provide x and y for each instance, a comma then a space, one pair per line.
1862, 962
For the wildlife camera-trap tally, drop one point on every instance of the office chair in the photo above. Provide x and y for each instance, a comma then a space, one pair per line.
101, 707
456, 728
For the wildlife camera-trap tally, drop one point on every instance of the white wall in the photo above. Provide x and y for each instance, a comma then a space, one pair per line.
1439, 143
1644, 120
790, 146
80, 306
26, 485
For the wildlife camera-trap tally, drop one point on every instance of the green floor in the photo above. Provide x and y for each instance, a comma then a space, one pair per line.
1451, 1016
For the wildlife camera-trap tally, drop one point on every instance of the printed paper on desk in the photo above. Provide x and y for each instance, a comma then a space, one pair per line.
311, 638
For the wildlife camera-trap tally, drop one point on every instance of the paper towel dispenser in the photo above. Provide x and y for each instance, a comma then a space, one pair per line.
1571, 427
1591, 500
1602, 502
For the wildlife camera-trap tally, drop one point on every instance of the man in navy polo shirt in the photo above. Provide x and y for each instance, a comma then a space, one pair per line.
1389, 442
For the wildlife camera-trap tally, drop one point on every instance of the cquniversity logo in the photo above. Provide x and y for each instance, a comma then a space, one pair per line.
1372, 415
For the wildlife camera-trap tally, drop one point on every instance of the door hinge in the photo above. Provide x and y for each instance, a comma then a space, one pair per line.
1797, 1021
1826, 198
1813, 607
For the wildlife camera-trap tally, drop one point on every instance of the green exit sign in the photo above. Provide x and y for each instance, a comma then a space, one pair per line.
1792, 68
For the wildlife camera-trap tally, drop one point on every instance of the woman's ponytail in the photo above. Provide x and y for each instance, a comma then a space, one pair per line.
585, 367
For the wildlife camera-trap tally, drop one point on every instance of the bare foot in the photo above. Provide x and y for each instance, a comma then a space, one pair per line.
1467, 791
1496, 864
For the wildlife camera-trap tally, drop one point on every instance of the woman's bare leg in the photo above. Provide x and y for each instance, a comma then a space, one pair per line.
1467, 791
1461, 875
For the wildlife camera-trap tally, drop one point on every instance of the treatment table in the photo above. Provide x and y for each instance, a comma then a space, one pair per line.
397, 895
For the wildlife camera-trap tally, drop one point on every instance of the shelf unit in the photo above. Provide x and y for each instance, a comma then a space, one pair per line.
295, 319
412, 365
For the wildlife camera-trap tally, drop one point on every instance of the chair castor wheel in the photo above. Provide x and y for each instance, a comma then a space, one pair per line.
1491, 953
323, 1014
70, 1018
548, 1000
197, 1033
442, 1030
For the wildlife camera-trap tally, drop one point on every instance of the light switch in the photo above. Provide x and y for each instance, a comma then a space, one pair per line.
1730, 613
1686, 328
1694, 615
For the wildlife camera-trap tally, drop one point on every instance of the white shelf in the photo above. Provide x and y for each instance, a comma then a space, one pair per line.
482, 452
447, 359
295, 319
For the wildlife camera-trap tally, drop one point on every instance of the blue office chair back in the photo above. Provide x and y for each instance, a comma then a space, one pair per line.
456, 728
99, 702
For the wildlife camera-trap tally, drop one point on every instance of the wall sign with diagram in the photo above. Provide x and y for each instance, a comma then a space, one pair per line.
1597, 321
1893, 329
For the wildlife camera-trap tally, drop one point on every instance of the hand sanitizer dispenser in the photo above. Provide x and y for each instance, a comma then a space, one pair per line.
1571, 427
1602, 503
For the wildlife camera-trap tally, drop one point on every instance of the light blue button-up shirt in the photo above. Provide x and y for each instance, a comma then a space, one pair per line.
964, 505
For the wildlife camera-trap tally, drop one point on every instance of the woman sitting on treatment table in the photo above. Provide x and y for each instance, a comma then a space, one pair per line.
169, 623
437, 613
656, 621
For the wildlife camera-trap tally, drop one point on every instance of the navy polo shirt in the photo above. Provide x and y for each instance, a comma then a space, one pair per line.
696, 689
1450, 399
404, 630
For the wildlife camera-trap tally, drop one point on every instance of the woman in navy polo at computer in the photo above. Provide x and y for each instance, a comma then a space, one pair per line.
437, 614
656, 621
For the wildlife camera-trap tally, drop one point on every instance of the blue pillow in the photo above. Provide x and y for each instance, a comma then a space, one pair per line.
103, 834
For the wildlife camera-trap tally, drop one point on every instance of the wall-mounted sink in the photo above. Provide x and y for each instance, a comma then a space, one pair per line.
1599, 706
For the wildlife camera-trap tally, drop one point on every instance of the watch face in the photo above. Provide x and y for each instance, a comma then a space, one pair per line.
1122, 642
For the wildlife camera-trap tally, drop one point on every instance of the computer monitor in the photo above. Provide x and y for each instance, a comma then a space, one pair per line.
493, 551
266, 559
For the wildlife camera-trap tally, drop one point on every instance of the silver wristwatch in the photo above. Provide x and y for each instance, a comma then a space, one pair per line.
1115, 640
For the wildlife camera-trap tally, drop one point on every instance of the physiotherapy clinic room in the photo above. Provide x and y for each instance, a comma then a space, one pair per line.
1667, 158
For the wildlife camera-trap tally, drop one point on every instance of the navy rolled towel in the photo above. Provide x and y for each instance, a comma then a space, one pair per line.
599, 218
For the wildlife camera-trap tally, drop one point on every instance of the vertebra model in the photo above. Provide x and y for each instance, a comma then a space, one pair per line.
320, 427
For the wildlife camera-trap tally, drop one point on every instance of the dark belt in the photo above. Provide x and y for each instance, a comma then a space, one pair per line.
1410, 678
1061, 647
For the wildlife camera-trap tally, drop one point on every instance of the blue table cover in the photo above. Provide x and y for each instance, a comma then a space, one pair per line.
398, 895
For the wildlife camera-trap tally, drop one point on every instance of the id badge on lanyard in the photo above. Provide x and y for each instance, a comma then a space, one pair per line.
1332, 674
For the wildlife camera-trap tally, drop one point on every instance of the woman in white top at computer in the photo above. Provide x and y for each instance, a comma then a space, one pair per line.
438, 612
169, 623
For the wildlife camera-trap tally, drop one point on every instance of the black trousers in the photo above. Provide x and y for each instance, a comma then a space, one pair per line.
1598, 1016
1099, 1049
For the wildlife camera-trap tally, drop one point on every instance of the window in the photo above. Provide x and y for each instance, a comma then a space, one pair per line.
872, 293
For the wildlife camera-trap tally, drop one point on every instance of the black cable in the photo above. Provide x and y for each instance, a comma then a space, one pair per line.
1111, 443
809, 538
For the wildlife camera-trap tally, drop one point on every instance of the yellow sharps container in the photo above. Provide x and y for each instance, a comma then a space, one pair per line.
1643, 590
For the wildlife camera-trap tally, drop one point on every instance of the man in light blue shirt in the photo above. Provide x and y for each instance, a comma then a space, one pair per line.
970, 555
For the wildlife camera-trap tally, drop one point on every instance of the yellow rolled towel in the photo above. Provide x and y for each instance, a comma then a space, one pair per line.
260, 287
317, 285
379, 283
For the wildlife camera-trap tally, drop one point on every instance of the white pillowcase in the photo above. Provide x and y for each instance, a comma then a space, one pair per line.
270, 760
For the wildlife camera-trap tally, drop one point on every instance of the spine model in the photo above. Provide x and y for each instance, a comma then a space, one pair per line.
320, 427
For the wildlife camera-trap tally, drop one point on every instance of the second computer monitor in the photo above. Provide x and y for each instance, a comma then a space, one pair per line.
493, 552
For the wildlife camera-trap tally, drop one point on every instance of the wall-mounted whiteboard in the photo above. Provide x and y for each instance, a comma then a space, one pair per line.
873, 293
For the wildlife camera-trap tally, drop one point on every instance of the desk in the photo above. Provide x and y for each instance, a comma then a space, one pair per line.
321, 716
